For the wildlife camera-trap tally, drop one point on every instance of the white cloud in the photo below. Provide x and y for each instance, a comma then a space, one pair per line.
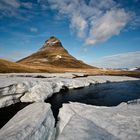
96, 20
80, 24
108, 25
33, 29
27, 5
73, 10
17, 9
124, 60
9, 7
12, 3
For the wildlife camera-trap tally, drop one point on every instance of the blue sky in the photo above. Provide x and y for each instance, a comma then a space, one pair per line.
105, 33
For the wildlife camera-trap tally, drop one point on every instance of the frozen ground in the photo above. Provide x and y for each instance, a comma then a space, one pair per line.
34, 122
38, 87
86, 122
77, 121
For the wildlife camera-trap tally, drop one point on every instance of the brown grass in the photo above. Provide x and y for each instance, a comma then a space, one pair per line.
122, 73
12, 67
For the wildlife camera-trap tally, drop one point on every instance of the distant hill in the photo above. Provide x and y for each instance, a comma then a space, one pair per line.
134, 69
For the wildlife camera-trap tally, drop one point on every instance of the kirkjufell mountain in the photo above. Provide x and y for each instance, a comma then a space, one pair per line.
51, 57
54, 54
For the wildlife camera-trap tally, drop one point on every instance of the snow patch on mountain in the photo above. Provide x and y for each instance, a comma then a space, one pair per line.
58, 56
51, 43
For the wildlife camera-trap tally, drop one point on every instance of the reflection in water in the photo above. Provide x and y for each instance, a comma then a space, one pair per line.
108, 94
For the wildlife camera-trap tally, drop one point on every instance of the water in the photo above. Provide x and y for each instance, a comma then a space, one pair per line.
108, 94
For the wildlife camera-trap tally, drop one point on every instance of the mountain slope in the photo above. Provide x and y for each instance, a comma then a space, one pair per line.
11, 67
53, 54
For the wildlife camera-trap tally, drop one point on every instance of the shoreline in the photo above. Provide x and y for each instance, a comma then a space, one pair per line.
36, 88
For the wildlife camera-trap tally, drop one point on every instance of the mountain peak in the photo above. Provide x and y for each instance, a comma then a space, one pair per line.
52, 39
51, 42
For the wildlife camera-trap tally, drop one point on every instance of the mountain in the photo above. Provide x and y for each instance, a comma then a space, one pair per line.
52, 57
53, 54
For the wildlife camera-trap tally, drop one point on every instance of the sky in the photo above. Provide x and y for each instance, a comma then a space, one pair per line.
104, 33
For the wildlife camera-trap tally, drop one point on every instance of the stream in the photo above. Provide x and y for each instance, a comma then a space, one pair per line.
107, 94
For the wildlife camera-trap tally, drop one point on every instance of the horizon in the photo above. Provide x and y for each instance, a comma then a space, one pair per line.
104, 34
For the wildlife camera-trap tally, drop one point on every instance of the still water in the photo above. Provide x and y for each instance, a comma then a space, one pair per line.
108, 94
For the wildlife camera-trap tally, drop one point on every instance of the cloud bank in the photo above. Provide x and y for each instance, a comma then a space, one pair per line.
125, 60
96, 20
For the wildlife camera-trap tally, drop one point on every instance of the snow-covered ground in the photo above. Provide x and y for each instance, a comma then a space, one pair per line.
34, 122
77, 121
28, 88
85, 122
